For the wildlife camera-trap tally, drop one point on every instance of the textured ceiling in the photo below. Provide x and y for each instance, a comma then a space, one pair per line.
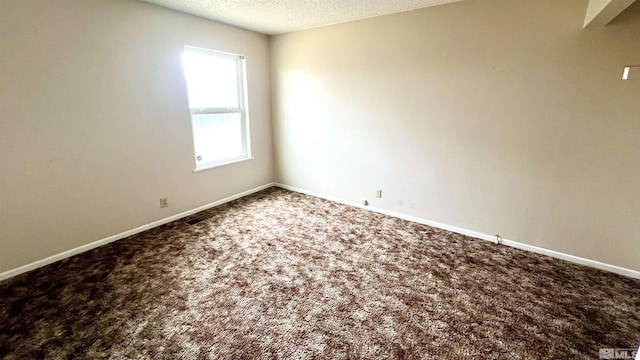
281, 16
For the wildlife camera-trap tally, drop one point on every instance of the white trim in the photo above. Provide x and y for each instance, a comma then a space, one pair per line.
555, 254
552, 253
222, 163
80, 249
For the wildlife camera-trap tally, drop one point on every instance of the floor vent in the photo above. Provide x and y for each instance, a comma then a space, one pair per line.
198, 218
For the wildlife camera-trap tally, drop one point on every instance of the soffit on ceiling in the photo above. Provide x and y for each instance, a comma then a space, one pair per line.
282, 16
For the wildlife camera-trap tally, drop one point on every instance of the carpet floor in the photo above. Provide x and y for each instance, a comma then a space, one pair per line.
281, 275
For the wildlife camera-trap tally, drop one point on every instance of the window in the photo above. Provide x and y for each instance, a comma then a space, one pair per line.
217, 99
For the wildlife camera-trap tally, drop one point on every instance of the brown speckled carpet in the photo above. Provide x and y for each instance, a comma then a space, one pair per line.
284, 275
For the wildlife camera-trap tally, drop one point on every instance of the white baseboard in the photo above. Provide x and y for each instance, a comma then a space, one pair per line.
555, 254
80, 249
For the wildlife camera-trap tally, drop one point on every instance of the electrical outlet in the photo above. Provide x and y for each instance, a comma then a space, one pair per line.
164, 202
379, 193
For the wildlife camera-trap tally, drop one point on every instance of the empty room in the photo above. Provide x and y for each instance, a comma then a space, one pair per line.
411, 179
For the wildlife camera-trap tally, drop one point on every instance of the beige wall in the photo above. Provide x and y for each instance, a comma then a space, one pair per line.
493, 116
95, 125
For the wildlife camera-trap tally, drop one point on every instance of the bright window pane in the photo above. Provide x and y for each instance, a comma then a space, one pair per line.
212, 81
215, 85
217, 137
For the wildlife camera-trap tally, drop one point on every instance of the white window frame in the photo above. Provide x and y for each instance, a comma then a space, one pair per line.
242, 110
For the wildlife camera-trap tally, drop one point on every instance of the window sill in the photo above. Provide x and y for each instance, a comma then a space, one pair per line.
224, 163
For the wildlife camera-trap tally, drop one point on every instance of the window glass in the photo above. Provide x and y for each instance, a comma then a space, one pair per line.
216, 89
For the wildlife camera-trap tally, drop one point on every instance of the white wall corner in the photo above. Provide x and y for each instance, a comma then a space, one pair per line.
601, 12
